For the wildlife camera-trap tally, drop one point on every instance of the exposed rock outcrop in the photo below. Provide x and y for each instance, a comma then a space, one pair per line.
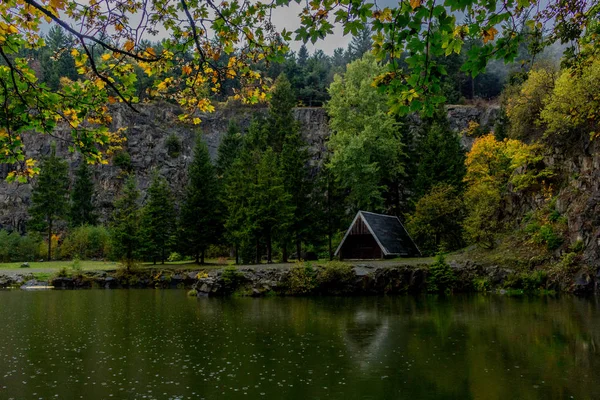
147, 133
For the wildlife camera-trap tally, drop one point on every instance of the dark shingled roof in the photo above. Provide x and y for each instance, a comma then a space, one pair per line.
390, 234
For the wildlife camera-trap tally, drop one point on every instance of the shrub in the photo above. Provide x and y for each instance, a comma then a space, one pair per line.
86, 242
550, 237
481, 284
231, 278
529, 282
301, 279
578, 246
175, 256
335, 277
441, 277
173, 145
14, 247
122, 160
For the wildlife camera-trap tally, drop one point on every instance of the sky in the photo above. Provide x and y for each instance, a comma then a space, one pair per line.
287, 17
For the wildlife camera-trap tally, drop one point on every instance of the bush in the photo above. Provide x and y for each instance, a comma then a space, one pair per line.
441, 277
335, 277
86, 242
175, 256
481, 284
550, 237
529, 282
14, 247
122, 160
301, 279
173, 145
231, 278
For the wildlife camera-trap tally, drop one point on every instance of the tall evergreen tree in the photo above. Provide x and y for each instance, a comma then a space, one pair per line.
125, 223
157, 226
360, 44
50, 195
441, 157
82, 208
199, 222
270, 206
229, 148
286, 141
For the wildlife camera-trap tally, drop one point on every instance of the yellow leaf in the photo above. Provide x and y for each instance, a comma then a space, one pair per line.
415, 3
186, 69
106, 57
100, 84
197, 121
129, 45
74, 52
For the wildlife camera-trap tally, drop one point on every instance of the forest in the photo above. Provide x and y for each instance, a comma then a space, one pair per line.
263, 200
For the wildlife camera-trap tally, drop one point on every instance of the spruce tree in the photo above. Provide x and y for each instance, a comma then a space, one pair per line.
158, 219
229, 148
284, 136
125, 223
270, 206
199, 222
50, 196
441, 157
82, 208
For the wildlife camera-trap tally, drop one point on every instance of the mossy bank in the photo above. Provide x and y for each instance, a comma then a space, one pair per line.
327, 278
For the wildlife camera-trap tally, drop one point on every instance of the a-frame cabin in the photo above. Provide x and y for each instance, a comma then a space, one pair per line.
373, 236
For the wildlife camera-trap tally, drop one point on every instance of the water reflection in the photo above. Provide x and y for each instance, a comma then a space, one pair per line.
164, 345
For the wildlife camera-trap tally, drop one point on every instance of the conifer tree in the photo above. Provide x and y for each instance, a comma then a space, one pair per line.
199, 222
50, 196
229, 148
157, 226
284, 136
270, 206
441, 158
82, 208
125, 223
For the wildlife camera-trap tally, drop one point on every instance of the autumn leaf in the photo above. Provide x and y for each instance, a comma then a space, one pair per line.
129, 45
105, 57
488, 35
186, 69
415, 3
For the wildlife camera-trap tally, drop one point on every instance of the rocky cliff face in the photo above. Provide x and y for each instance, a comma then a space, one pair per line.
147, 132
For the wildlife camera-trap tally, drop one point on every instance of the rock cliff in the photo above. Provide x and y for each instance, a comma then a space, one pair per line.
147, 132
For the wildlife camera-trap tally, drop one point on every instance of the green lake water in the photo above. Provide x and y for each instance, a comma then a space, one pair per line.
161, 344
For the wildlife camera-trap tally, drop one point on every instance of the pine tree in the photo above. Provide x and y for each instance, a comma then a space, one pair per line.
157, 226
125, 223
441, 158
360, 44
199, 220
229, 148
82, 208
302, 56
286, 140
270, 206
50, 195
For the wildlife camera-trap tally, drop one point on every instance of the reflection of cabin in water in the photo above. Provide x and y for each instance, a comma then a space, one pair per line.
372, 236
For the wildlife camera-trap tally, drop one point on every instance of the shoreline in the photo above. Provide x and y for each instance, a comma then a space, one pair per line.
315, 279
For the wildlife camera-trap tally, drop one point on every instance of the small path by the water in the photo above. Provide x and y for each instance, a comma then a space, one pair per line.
361, 265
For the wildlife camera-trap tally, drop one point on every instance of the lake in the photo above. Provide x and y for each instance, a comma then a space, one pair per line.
162, 344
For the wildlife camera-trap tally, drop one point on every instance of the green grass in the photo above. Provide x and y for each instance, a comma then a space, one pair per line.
86, 265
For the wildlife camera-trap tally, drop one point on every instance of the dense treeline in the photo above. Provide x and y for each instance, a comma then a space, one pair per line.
263, 200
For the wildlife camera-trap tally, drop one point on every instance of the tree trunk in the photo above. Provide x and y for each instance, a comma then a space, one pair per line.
49, 239
162, 261
202, 257
284, 253
298, 248
330, 247
269, 258
197, 257
257, 251
237, 254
